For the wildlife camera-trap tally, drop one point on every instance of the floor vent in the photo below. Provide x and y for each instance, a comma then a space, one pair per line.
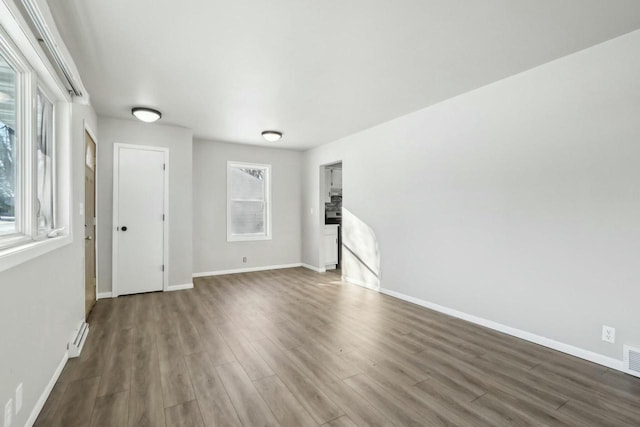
75, 347
632, 360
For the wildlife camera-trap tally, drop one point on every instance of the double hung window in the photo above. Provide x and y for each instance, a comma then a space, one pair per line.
248, 201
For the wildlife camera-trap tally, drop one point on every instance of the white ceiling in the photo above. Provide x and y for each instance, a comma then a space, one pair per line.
317, 70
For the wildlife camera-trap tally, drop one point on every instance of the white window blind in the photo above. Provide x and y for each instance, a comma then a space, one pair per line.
248, 204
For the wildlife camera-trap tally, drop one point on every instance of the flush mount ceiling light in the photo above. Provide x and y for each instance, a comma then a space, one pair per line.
148, 115
271, 135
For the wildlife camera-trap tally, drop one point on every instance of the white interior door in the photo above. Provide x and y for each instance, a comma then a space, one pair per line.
139, 215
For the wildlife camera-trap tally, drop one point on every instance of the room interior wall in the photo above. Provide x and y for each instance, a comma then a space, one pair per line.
180, 142
517, 202
43, 299
212, 252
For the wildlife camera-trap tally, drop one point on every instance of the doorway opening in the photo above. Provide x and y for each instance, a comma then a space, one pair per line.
331, 206
90, 276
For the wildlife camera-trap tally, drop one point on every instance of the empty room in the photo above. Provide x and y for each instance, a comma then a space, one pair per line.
319, 213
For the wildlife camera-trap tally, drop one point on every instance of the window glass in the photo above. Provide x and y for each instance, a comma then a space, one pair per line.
8, 152
248, 208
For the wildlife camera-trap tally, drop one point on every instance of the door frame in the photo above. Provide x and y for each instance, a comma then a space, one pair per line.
92, 134
116, 201
321, 213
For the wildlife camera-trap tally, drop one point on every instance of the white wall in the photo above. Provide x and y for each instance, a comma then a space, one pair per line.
43, 299
211, 250
517, 202
179, 141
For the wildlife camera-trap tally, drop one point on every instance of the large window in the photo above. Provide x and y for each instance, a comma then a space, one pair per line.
8, 148
27, 151
248, 201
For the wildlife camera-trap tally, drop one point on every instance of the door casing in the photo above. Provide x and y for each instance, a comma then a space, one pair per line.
92, 136
165, 247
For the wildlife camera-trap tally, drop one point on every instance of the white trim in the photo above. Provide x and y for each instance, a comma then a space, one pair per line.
47, 391
165, 247
34, 71
316, 269
11, 257
104, 295
359, 283
600, 359
180, 287
247, 270
267, 235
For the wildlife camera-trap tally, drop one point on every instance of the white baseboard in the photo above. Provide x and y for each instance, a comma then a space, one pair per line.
359, 283
316, 269
245, 270
104, 295
46, 392
600, 359
171, 288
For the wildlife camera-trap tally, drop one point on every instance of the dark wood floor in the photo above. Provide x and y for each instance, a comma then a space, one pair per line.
297, 348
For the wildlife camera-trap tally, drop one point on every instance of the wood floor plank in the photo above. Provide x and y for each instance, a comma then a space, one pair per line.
583, 414
312, 398
111, 410
118, 368
77, 403
357, 408
146, 408
176, 384
295, 347
284, 406
47, 414
146, 405
506, 410
343, 421
215, 406
392, 407
186, 414
250, 407
339, 366
251, 362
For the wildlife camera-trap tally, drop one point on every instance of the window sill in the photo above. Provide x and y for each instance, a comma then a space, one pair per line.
14, 256
231, 239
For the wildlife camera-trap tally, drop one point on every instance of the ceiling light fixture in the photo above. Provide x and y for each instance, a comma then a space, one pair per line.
271, 135
147, 115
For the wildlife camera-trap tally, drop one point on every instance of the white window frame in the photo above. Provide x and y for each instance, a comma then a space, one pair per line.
25, 145
35, 72
267, 202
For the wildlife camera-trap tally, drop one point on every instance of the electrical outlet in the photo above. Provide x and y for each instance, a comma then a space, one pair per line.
8, 413
18, 398
244, 259
608, 334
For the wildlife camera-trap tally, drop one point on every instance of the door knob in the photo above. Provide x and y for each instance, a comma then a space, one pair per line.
88, 238
124, 228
